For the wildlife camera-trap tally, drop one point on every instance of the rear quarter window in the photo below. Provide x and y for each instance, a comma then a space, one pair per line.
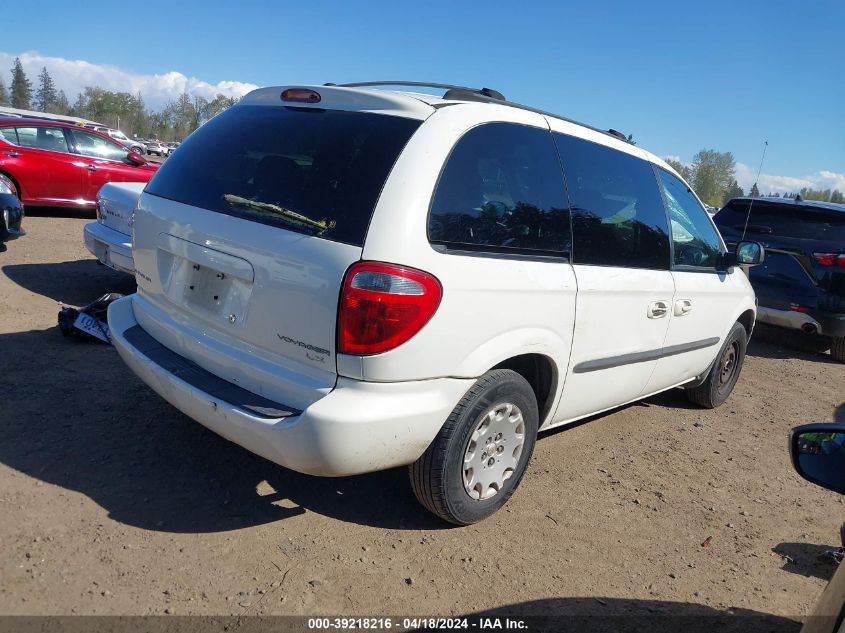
502, 190
323, 164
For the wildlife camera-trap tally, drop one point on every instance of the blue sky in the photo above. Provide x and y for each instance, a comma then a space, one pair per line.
678, 76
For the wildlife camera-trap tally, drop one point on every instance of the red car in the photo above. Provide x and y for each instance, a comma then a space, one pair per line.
54, 164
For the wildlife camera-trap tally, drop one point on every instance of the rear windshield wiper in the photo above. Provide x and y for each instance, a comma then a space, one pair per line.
276, 211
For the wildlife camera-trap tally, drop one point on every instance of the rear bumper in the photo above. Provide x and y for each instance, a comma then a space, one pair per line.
112, 248
814, 321
358, 427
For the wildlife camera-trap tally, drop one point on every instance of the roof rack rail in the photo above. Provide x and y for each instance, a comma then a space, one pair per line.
473, 92
484, 95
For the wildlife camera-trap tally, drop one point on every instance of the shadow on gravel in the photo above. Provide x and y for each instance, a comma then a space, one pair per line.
75, 416
566, 615
777, 343
803, 559
59, 212
75, 283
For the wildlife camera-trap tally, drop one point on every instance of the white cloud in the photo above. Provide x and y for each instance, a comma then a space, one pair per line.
770, 183
72, 75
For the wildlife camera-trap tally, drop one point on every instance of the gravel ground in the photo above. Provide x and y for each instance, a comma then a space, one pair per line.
112, 502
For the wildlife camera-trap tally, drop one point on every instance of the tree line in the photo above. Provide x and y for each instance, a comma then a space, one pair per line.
121, 110
712, 175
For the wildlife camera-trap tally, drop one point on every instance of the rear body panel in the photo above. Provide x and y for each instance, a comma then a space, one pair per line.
254, 305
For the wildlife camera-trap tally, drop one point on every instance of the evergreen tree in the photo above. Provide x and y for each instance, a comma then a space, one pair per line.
46, 96
4, 94
733, 191
21, 88
61, 106
755, 192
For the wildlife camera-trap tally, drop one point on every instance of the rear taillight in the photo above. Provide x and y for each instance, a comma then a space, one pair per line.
797, 307
830, 260
383, 305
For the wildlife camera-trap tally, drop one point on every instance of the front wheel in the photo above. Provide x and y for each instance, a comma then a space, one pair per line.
724, 373
480, 455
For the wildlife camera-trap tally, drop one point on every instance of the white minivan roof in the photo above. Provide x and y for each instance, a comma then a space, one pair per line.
420, 105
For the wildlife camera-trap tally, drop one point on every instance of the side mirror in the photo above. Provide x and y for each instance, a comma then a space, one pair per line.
818, 454
750, 253
135, 158
745, 254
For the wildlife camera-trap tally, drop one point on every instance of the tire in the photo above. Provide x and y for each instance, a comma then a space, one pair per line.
724, 373
837, 348
503, 400
8, 182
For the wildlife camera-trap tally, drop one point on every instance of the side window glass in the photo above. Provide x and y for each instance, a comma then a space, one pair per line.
502, 191
9, 135
38, 137
96, 146
694, 237
618, 217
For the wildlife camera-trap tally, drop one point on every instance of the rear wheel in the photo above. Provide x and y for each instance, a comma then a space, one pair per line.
837, 348
480, 455
724, 373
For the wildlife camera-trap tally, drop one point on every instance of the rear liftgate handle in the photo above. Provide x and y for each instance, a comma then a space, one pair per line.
658, 309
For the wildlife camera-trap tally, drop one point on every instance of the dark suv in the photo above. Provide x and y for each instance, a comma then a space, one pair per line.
801, 285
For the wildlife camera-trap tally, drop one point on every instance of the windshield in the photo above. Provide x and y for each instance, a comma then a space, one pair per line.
321, 164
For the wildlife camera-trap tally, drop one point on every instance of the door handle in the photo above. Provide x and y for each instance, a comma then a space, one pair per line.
12, 153
682, 307
91, 167
658, 309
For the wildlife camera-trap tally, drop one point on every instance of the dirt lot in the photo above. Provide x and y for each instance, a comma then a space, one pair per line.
112, 502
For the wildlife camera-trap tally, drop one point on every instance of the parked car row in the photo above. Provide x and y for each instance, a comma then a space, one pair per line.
133, 144
160, 148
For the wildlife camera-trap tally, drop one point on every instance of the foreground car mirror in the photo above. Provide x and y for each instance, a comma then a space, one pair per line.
818, 454
135, 158
746, 254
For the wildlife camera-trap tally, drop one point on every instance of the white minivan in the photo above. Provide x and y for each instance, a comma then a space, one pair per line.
344, 279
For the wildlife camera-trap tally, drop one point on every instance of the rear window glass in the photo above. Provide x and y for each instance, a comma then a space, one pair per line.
326, 165
785, 220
